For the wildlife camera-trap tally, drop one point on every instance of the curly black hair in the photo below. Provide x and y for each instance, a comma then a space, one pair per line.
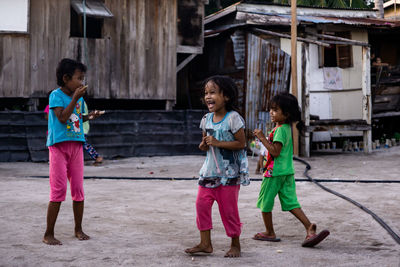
290, 108
67, 67
228, 88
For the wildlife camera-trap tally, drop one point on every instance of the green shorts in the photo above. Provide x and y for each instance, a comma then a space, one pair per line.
284, 186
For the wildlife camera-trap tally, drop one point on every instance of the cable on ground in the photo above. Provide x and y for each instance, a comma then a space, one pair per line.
376, 217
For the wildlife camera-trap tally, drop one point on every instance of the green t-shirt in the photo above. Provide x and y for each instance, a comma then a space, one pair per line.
283, 164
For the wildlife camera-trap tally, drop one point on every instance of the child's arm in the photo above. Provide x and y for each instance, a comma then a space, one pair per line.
203, 145
239, 143
63, 114
93, 115
274, 149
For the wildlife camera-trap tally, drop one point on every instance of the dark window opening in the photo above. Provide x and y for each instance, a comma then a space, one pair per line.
190, 24
338, 55
330, 56
94, 26
95, 12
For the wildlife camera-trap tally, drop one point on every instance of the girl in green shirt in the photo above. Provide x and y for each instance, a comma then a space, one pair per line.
279, 171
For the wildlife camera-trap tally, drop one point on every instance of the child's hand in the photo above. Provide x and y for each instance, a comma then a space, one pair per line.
79, 92
259, 134
203, 145
211, 141
95, 114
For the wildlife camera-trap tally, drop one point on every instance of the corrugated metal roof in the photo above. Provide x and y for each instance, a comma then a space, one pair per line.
284, 19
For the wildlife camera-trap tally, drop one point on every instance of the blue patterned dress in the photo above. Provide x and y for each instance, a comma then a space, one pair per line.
229, 167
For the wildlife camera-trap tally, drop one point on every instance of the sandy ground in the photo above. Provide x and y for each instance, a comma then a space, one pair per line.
151, 222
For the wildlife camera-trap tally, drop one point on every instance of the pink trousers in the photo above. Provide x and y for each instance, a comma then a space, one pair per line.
227, 199
66, 162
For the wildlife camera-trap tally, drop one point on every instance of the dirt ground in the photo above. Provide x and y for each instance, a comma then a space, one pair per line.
151, 222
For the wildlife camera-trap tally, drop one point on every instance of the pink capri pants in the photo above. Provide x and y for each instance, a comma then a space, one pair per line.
66, 162
227, 199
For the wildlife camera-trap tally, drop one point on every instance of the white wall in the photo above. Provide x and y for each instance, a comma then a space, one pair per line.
14, 15
338, 104
286, 46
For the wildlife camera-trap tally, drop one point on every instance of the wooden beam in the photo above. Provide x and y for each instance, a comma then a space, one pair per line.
189, 49
293, 56
306, 40
185, 62
337, 38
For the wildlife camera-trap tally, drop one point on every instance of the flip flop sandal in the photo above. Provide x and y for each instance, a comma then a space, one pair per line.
263, 237
315, 239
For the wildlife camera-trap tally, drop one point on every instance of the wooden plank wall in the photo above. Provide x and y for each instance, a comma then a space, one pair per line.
135, 59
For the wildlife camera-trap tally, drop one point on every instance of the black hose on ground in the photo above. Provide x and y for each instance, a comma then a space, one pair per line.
376, 217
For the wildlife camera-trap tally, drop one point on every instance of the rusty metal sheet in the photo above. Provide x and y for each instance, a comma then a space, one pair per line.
268, 71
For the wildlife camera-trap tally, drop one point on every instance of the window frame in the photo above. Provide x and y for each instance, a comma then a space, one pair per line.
27, 29
337, 47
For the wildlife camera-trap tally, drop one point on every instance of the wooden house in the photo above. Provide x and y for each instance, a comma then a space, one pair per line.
333, 65
131, 49
130, 46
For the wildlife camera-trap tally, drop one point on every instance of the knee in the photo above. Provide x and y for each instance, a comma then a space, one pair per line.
58, 194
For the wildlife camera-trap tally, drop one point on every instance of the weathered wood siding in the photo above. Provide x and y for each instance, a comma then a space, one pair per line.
135, 59
117, 133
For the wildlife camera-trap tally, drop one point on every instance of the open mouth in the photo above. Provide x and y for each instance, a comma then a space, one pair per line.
210, 104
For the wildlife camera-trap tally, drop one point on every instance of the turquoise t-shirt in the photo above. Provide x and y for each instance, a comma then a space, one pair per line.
224, 165
72, 130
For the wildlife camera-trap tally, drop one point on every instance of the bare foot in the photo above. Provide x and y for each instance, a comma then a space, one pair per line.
234, 252
50, 240
81, 235
199, 248
312, 229
99, 161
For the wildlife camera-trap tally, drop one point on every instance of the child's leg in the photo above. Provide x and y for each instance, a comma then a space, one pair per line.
204, 202
78, 207
90, 150
227, 198
269, 226
58, 189
299, 214
75, 176
269, 190
289, 202
52, 213
259, 164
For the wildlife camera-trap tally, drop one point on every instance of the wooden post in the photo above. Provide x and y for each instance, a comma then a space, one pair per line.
293, 34
367, 105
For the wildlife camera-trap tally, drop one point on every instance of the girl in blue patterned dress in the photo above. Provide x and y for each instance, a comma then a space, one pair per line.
225, 167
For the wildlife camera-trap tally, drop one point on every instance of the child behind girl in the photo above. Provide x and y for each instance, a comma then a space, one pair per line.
279, 174
225, 166
64, 140
86, 127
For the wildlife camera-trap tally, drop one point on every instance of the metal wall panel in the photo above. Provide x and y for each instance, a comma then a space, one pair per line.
267, 73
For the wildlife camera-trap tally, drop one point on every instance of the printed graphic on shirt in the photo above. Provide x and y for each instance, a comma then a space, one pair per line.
73, 123
269, 164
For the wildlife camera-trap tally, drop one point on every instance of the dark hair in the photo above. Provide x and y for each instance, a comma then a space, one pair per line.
67, 67
290, 108
228, 88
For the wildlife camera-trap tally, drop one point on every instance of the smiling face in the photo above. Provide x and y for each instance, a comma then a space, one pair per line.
75, 81
214, 98
277, 115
